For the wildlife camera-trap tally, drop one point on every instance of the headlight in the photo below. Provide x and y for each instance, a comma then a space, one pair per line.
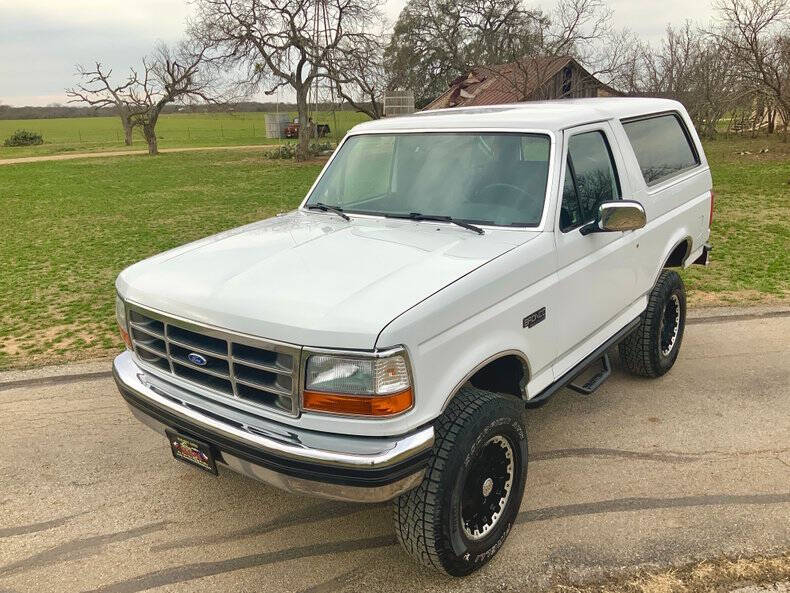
358, 386
120, 317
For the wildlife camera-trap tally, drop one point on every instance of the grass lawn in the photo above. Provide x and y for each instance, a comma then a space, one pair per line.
69, 227
176, 130
751, 225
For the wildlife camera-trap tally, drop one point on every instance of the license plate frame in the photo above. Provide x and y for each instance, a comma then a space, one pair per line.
192, 451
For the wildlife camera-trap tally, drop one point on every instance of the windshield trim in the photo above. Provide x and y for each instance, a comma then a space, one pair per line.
471, 130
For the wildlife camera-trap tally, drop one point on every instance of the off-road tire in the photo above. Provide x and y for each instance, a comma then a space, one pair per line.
428, 519
641, 352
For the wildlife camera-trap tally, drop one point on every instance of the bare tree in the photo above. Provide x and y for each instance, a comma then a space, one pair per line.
693, 68
756, 35
165, 77
359, 77
284, 43
97, 90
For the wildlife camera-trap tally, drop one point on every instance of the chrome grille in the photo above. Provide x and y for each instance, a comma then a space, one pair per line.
250, 371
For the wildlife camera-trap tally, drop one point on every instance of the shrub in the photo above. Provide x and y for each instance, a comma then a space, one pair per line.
288, 150
24, 138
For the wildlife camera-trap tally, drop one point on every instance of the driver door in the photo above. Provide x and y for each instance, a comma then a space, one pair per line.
596, 272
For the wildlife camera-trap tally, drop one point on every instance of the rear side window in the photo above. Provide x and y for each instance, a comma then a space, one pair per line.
662, 146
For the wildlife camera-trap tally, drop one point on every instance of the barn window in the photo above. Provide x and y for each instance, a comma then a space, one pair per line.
567, 75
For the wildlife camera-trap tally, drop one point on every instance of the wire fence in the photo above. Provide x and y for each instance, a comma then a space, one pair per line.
172, 130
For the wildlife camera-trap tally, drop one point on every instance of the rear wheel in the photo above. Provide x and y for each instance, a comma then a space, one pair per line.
652, 348
462, 512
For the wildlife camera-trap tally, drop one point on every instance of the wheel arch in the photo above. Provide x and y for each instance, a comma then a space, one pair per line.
676, 255
511, 360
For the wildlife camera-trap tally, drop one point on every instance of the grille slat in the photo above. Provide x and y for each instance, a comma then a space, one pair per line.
262, 367
237, 368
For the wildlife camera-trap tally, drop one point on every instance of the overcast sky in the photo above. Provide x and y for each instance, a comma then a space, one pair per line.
41, 41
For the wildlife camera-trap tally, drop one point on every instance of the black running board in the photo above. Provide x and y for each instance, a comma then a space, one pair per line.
596, 355
594, 382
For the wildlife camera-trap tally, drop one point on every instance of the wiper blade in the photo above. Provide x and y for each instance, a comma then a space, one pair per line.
439, 218
326, 208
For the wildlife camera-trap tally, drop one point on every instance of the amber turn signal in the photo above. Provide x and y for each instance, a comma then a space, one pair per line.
358, 405
125, 335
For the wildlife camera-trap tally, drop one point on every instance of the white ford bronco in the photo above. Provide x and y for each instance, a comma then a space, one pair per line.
446, 271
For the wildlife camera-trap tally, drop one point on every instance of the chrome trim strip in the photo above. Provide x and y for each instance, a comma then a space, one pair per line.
133, 378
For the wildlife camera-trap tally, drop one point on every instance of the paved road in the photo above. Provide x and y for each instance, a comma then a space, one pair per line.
95, 155
691, 465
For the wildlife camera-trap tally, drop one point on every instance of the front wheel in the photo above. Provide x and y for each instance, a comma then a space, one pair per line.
457, 519
652, 348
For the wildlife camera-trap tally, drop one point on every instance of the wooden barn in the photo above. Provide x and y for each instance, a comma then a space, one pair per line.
529, 79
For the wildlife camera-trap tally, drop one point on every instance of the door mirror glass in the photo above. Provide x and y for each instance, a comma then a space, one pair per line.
621, 215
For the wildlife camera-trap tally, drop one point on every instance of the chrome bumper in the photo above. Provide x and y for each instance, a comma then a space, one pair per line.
352, 468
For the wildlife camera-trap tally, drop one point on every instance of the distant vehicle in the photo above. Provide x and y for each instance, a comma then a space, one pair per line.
447, 271
318, 130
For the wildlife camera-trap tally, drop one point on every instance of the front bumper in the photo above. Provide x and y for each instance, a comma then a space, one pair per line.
352, 468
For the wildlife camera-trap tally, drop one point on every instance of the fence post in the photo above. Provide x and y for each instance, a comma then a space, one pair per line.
79, 133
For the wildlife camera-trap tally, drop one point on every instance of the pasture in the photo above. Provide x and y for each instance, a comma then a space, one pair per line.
69, 227
175, 130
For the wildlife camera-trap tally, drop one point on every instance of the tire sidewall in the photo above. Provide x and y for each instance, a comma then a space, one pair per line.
675, 287
463, 555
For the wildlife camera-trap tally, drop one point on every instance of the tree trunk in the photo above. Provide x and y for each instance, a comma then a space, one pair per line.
127, 131
149, 131
303, 147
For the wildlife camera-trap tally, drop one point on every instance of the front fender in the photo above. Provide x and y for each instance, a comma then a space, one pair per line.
480, 318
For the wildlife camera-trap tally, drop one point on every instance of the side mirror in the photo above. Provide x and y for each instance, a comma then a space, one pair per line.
617, 215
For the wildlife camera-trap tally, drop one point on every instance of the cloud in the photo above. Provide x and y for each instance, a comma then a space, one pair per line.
42, 42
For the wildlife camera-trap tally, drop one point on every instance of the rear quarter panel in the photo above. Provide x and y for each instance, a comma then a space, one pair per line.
677, 209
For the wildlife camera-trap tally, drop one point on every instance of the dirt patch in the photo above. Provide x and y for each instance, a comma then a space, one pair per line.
722, 574
731, 298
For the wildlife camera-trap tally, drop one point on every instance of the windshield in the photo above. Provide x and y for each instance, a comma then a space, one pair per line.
484, 178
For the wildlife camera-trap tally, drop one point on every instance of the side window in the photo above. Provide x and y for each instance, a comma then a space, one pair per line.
662, 146
570, 213
590, 178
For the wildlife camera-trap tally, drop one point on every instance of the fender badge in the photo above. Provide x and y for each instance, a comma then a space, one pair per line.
534, 318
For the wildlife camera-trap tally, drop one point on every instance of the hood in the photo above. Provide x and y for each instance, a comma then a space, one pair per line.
311, 278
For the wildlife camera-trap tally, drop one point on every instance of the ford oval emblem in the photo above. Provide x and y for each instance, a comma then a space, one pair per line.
197, 359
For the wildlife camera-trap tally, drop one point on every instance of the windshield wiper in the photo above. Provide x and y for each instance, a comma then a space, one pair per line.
325, 208
438, 218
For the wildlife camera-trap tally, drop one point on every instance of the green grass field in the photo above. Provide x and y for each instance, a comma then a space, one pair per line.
751, 225
69, 227
90, 134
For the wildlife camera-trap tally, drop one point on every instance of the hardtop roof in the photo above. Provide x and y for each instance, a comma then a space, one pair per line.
534, 115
